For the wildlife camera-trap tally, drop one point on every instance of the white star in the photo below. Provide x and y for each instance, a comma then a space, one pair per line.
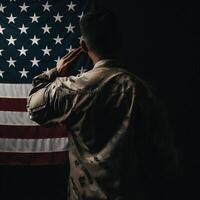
24, 7
70, 28
71, 6
58, 39
1, 29
23, 29
58, 17
34, 18
70, 49
46, 51
82, 70
11, 19
24, 73
11, 62
11, 40
80, 39
35, 62
47, 6
46, 70
80, 16
58, 59
22, 51
1, 73
46, 29
34, 40
2, 8
1, 50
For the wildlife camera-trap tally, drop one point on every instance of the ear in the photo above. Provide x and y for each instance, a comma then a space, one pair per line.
84, 46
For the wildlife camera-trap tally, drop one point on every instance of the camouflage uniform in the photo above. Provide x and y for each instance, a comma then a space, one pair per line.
98, 108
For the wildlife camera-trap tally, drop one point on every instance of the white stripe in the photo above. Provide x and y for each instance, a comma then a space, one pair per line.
33, 145
15, 90
15, 119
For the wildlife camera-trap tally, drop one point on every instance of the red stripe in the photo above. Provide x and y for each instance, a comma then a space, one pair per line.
29, 159
32, 132
13, 104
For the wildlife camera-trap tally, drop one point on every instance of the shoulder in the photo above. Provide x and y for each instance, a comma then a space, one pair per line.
114, 79
130, 82
96, 77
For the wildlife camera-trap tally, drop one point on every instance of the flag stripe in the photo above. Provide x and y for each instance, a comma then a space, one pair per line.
33, 145
28, 132
30, 159
12, 104
15, 90
15, 119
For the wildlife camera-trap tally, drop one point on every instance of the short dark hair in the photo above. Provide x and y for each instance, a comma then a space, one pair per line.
100, 31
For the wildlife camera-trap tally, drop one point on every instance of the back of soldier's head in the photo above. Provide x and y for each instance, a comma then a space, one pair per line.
100, 32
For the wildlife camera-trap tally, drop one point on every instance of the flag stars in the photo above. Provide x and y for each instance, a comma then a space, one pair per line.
70, 49
70, 28
71, 6
46, 51
22, 51
2, 8
46, 6
80, 39
11, 40
58, 17
47, 70
82, 70
1, 50
24, 7
58, 59
1, 73
35, 40
23, 29
80, 16
35, 62
11, 62
1, 29
11, 19
58, 40
46, 29
34, 18
23, 73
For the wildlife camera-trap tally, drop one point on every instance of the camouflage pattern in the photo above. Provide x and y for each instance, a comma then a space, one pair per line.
99, 108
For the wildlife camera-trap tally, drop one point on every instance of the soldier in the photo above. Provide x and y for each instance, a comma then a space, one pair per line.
110, 116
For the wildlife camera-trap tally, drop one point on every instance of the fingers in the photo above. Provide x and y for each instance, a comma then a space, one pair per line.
66, 55
73, 56
66, 61
72, 52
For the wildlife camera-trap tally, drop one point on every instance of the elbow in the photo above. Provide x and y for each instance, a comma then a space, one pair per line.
42, 114
36, 106
42, 118
44, 108
37, 116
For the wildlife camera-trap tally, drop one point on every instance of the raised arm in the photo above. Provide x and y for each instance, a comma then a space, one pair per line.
51, 98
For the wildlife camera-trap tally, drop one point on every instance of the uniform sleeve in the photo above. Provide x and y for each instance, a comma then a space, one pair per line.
52, 98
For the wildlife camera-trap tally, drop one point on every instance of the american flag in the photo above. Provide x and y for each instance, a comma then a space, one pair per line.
34, 35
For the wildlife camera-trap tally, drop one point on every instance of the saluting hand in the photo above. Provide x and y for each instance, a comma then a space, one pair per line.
66, 61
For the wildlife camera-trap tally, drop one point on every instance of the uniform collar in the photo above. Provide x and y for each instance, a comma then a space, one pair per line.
103, 62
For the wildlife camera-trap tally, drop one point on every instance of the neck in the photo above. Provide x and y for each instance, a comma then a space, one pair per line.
95, 58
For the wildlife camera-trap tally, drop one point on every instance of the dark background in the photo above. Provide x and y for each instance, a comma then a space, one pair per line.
161, 45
